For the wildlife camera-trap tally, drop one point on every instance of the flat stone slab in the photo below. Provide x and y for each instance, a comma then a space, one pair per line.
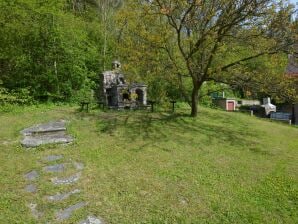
54, 168
68, 180
92, 220
31, 188
52, 132
61, 197
52, 126
33, 207
78, 166
52, 158
66, 213
49, 138
31, 176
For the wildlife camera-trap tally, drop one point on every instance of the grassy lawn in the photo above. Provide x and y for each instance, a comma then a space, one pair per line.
143, 167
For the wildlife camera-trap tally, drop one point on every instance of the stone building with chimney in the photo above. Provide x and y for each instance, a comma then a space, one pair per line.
116, 93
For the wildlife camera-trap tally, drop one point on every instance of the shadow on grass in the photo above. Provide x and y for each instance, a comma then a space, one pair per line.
155, 129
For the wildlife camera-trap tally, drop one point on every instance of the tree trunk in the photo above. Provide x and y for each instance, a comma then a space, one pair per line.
195, 99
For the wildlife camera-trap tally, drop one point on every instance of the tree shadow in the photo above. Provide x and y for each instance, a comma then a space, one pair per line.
155, 129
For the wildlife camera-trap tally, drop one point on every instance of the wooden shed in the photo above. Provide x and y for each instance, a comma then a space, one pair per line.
225, 103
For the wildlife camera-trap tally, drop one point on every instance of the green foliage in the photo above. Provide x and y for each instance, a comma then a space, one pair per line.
51, 47
10, 99
47, 48
85, 93
263, 77
19, 96
201, 40
211, 89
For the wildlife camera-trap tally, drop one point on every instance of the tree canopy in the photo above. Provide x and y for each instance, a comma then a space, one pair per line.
54, 49
205, 40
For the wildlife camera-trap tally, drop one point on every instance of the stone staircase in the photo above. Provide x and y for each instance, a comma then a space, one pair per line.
57, 167
41, 134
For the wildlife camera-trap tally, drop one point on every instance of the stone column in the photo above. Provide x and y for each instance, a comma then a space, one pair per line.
144, 96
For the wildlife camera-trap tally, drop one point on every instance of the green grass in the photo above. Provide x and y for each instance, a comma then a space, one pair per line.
158, 168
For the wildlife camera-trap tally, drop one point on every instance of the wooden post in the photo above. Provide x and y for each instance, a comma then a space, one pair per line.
151, 102
173, 106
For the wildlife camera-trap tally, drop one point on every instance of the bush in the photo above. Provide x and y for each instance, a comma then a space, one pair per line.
206, 101
86, 93
19, 97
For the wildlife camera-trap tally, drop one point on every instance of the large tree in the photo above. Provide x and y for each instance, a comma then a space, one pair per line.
204, 39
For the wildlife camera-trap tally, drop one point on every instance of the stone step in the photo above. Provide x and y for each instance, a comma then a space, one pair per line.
62, 166
61, 197
52, 126
66, 213
92, 220
52, 132
35, 213
52, 158
32, 175
54, 168
53, 138
31, 188
67, 180
78, 166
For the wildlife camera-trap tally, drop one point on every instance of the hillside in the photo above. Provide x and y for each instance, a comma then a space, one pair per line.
145, 167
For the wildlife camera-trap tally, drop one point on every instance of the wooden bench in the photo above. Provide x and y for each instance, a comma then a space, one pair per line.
281, 116
151, 103
85, 104
101, 104
173, 102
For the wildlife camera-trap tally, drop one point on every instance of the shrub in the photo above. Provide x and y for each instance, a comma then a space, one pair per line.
19, 97
86, 93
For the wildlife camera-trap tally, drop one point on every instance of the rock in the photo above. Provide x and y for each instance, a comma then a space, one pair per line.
54, 168
68, 180
52, 132
50, 138
36, 214
52, 158
31, 188
53, 126
33, 175
66, 213
61, 197
183, 202
78, 166
92, 220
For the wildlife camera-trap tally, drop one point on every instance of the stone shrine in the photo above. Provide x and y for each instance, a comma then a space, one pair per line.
116, 93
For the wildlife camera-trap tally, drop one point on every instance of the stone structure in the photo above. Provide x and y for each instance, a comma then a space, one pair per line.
115, 92
52, 132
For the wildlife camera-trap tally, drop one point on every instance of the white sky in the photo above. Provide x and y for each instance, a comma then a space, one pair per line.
294, 2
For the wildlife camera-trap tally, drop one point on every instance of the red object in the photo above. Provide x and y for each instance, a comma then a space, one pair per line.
231, 106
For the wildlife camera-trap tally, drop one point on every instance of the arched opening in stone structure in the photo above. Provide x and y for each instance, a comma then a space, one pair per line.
140, 96
109, 97
125, 97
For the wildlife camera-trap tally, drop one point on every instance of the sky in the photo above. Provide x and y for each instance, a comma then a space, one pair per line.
294, 2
